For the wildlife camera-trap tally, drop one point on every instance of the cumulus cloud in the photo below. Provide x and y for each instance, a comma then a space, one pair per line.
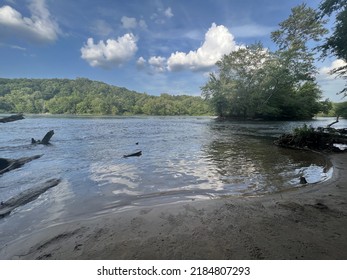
141, 63
110, 53
326, 70
39, 28
218, 42
157, 63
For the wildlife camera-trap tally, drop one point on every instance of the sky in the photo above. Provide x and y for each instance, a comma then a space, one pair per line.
158, 46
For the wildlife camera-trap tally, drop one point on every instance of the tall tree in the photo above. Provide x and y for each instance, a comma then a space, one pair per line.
236, 89
254, 82
293, 38
336, 43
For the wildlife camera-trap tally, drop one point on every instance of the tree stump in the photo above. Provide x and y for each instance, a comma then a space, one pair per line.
45, 140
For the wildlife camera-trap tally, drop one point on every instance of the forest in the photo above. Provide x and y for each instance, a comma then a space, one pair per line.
83, 96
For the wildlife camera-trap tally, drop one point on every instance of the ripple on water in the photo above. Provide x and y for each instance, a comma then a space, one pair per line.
183, 158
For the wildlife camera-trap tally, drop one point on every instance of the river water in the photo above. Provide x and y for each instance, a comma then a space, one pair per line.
183, 159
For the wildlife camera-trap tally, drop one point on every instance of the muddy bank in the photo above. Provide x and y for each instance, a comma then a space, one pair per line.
306, 223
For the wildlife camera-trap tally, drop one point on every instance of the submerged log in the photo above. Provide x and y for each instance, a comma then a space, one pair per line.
12, 118
45, 140
136, 154
25, 197
10, 164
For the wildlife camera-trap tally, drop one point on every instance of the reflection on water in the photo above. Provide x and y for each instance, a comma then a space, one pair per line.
183, 158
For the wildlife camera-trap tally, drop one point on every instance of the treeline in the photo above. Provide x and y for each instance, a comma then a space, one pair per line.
337, 109
83, 96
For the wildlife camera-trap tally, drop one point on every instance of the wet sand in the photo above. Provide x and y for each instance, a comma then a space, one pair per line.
305, 223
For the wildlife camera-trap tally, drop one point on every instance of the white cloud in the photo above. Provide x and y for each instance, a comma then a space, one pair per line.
129, 22
331, 84
218, 42
325, 71
168, 13
162, 15
141, 63
157, 63
132, 23
13, 47
40, 28
110, 53
142, 24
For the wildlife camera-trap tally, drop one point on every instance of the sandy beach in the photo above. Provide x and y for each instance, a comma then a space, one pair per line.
305, 223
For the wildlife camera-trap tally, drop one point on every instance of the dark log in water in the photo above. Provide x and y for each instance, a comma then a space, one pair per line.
25, 197
12, 118
136, 154
10, 164
45, 140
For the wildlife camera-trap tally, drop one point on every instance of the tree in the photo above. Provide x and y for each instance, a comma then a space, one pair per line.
235, 89
341, 109
253, 82
336, 43
293, 37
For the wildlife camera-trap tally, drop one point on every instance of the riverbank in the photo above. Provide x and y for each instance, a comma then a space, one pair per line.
306, 223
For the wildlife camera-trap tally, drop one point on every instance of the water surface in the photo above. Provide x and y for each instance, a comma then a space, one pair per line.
184, 158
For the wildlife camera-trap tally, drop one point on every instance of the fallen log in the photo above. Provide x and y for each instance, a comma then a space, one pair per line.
337, 120
136, 154
25, 197
10, 164
45, 140
320, 139
12, 118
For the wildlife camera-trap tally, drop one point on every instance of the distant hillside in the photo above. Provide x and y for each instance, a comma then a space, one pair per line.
83, 96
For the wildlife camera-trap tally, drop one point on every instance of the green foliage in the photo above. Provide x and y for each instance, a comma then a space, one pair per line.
253, 82
336, 43
303, 132
83, 96
341, 109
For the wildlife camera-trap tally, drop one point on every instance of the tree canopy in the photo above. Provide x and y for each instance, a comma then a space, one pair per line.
83, 96
253, 82
336, 43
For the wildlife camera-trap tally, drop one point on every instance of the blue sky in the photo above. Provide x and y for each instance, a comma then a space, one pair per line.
159, 46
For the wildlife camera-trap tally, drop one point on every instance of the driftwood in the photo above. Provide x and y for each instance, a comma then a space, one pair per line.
136, 154
26, 197
12, 118
45, 140
320, 139
10, 164
337, 120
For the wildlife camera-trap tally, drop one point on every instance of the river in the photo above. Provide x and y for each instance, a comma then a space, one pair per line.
183, 159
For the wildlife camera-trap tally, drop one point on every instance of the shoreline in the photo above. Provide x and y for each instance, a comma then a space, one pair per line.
304, 223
